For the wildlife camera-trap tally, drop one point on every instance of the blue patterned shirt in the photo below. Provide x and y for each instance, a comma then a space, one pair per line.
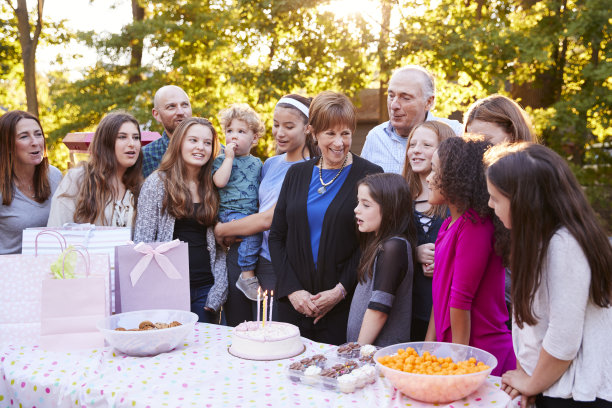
152, 154
241, 191
383, 146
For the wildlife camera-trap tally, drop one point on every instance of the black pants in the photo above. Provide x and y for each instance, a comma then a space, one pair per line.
549, 402
238, 308
330, 329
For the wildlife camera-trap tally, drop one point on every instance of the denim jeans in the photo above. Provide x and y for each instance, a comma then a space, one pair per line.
248, 251
198, 302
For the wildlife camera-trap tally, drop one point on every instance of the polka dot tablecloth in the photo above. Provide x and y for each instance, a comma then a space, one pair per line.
198, 373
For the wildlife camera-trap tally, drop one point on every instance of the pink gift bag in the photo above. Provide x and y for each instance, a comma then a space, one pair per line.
21, 279
71, 308
152, 276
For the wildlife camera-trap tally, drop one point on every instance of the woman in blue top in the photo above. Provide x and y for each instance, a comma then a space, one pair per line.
293, 145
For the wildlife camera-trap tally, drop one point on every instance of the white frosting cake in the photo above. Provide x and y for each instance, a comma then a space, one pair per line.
274, 342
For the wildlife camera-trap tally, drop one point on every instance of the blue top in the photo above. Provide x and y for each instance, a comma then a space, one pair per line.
240, 192
152, 154
317, 203
272, 177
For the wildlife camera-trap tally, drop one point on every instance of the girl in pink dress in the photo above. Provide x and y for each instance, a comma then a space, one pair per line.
468, 280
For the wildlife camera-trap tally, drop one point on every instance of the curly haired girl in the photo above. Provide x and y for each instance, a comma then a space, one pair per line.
468, 279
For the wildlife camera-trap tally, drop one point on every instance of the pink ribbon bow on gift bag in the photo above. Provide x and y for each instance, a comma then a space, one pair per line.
161, 259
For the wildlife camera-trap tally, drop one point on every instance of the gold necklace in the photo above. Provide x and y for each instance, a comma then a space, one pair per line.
324, 185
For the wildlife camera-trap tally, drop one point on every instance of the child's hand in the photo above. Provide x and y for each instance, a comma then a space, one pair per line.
425, 253
230, 150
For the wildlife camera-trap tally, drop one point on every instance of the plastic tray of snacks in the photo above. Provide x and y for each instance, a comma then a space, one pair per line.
353, 351
335, 371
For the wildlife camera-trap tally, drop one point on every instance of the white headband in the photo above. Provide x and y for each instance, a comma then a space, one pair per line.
299, 105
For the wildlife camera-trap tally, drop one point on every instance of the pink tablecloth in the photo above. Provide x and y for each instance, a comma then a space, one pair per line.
199, 373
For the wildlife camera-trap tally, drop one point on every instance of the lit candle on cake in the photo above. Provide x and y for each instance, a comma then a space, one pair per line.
258, 295
265, 307
271, 303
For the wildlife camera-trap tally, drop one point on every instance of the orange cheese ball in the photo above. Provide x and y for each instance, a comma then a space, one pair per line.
409, 361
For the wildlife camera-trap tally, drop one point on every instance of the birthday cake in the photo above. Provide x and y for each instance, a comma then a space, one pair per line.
274, 341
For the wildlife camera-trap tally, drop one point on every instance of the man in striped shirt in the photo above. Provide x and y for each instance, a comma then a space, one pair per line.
410, 97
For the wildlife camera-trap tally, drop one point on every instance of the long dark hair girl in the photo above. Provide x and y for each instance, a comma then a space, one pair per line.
8, 128
178, 201
545, 196
98, 189
391, 192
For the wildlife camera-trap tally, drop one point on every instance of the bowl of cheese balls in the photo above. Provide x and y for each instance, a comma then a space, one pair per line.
147, 332
435, 372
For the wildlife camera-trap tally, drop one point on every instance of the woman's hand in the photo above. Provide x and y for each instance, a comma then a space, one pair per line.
515, 383
428, 270
425, 253
303, 302
222, 238
326, 301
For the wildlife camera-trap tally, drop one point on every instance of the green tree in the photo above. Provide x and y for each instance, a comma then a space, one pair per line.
219, 52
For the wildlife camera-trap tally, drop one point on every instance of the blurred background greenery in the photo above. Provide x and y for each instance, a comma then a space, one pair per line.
552, 56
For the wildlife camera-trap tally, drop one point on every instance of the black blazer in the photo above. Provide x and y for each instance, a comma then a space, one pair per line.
289, 239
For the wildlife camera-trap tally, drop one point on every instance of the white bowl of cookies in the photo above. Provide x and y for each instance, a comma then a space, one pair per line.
147, 332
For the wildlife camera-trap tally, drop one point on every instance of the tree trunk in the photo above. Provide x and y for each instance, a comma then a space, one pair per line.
383, 44
137, 45
28, 50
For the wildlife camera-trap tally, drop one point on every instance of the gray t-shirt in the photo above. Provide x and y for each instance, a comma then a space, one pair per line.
24, 213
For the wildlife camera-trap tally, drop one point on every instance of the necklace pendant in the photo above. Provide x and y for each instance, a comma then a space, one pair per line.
321, 190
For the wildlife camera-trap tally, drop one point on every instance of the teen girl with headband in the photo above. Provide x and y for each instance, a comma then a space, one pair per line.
294, 145
383, 297
561, 262
422, 143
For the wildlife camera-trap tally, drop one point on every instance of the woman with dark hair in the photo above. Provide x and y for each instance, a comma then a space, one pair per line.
561, 263
313, 241
383, 297
179, 201
423, 141
499, 119
294, 145
468, 281
27, 181
104, 190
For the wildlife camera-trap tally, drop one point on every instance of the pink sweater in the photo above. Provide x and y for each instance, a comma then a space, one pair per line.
470, 276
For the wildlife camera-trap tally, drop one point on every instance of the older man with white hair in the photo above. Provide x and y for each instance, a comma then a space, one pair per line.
410, 97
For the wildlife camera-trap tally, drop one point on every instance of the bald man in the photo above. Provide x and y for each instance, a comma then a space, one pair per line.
170, 106
410, 97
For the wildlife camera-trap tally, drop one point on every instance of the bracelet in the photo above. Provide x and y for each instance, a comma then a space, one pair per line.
341, 290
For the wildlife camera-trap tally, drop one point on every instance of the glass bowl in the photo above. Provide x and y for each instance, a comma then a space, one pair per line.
437, 388
147, 342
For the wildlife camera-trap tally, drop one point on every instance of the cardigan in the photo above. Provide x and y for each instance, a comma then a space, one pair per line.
289, 239
569, 326
155, 225
119, 213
